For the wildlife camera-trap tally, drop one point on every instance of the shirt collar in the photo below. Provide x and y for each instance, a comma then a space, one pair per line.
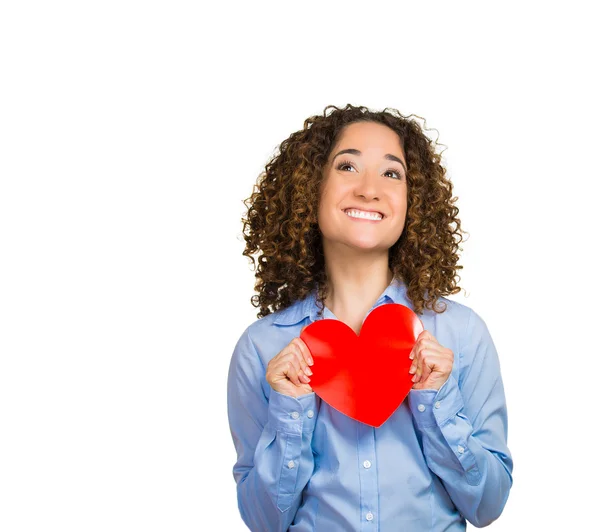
307, 307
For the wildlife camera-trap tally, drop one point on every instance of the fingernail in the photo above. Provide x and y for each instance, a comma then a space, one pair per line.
411, 356
307, 379
308, 371
414, 378
310, 361
412, 370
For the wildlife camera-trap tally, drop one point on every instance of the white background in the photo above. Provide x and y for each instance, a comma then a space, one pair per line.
130, 133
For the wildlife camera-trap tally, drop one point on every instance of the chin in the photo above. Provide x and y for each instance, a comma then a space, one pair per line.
367, 246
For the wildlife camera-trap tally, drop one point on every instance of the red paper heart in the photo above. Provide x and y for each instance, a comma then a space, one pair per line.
365, 377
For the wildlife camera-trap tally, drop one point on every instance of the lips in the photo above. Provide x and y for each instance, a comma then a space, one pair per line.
364, 210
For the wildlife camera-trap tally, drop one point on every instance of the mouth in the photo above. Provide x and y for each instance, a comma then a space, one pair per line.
364, 216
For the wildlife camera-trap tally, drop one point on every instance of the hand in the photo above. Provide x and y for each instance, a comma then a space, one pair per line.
432, 363
288, 371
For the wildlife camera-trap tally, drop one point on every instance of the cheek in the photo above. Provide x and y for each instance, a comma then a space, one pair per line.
401, 203
326, 200
322, 207
326, 216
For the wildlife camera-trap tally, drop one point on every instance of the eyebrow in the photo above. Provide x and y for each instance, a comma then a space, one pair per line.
388, 156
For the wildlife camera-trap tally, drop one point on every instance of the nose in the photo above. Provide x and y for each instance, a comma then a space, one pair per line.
368, 186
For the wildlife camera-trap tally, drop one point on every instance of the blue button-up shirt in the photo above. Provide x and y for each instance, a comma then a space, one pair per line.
441, 458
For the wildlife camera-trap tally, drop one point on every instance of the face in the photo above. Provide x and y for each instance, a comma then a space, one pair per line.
370, 179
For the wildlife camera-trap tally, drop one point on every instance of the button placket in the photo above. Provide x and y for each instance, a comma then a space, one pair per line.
368, 478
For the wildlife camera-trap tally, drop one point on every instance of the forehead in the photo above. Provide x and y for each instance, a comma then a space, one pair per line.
370, 136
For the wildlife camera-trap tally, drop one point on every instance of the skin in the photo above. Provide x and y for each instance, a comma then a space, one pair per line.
432, 363
356, 251
287, 371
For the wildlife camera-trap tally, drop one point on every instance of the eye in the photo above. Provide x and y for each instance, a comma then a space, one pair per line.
398, 174
348, 163
344, 163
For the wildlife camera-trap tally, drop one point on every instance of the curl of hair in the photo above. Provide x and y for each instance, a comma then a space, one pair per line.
281, 220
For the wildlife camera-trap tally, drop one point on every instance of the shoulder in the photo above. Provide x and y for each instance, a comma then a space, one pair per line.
474, 343
459, 325
454, 319
460, 315
291, 315
266, 336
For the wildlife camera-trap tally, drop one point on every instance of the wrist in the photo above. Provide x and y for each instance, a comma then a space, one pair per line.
431, 383
292, 414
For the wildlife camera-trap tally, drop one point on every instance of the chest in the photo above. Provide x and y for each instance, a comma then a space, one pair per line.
353, 319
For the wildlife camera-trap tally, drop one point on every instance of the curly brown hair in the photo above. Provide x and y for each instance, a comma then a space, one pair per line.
282, 223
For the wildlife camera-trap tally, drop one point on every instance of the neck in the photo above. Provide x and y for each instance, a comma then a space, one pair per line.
356, 278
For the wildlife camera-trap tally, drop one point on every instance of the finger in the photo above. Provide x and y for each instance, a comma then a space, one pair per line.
426, 335
415, 361
429, 341
305, 350
415, 356
431, 363
426, 339
302, 370
416, 373
303, 354
291, 368
423, 357
305, 379
429, 348
426, 369
422, 334
416, 364
435, 347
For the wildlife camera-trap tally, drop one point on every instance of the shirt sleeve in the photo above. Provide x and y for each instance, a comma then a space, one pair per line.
272, 438
464, 429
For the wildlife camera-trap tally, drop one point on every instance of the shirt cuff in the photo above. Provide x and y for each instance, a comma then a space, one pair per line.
434, 407
292, 414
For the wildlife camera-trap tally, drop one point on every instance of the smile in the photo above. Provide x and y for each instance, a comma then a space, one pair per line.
362, 215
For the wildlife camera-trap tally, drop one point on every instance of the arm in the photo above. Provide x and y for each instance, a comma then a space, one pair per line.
273, 444
464, 429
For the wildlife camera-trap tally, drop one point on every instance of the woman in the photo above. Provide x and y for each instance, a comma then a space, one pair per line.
442, 457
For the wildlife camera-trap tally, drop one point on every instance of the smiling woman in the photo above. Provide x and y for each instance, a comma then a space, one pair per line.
363, 197
394, 165
355, 212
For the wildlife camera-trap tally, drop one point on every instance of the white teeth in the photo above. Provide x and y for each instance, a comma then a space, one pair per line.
362, 214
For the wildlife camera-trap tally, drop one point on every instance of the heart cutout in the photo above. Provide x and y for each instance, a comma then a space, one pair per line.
366, 376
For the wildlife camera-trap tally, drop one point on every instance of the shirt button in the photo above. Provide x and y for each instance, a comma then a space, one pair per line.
291, 464
460, 449
421, 408
438, 404
369, 516
367, 464
295, 415
310, 413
